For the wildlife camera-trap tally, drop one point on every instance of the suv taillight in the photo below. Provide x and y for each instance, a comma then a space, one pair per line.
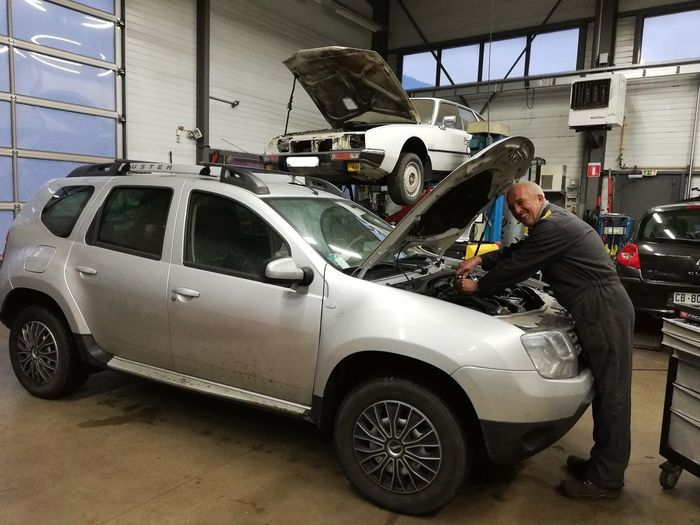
629, 256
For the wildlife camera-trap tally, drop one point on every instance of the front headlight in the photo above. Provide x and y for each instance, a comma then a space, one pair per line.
552, 352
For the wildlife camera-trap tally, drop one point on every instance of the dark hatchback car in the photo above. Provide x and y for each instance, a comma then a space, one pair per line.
660, 265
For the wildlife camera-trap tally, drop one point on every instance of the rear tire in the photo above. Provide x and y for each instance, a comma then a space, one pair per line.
43, 354
401, 445
406, 182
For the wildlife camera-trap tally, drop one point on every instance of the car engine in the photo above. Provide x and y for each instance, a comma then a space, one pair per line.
441, 285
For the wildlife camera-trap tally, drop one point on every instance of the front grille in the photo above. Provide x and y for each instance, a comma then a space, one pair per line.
311, 146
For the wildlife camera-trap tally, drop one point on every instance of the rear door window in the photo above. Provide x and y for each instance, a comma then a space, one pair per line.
133, 220
64, 208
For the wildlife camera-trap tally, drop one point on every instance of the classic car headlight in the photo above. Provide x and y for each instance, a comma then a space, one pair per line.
349, 141
552, 352
283, 145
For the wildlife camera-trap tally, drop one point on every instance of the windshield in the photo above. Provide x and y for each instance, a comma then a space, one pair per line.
672, 225
343, 232
425, 108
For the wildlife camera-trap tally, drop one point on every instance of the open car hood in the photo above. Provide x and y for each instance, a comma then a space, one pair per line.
347, 83
444, 214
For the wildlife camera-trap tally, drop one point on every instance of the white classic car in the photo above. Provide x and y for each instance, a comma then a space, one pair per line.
379, 135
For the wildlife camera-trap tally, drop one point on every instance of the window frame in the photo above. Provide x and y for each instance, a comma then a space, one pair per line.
223, 271
483, 40
91, 236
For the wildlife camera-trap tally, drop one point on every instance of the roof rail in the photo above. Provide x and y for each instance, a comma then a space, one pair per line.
243, 178
124, 167
320, 184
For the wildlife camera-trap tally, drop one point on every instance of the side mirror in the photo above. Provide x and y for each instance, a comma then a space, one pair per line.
285, 271
449, 121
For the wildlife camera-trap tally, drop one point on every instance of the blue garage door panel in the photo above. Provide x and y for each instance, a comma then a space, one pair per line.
32, 173
54, 26
62, 80
56, 130
6, 179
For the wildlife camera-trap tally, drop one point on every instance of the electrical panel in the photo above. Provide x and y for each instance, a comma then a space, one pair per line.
598, 101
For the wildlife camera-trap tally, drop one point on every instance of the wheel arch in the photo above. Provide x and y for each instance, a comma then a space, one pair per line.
364, 366
20, 298
417, 146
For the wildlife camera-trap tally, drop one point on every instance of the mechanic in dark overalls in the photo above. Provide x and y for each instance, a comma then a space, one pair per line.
576, 265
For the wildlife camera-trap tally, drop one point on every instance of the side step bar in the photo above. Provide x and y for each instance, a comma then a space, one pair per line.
208, 387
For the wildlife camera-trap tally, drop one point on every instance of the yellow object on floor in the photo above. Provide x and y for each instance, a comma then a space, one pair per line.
484, 248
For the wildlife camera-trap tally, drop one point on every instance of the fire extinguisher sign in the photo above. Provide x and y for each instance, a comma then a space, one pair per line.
593, 169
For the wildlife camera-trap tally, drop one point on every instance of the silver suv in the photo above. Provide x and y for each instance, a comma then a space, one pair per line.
276, 291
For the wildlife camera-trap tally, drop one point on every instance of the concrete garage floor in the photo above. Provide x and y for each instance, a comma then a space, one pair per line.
123, 450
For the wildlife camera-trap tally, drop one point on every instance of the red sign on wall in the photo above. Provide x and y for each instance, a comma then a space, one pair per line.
593, 169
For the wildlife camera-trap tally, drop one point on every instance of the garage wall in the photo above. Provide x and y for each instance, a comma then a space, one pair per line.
160, 79
443, 20
249, 42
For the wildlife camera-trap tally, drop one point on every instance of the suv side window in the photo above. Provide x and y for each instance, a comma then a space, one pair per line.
133, 220
449, 110
64, 207
467, 117
224, 236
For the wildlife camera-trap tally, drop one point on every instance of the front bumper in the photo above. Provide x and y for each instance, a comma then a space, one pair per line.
520, 412
360, 166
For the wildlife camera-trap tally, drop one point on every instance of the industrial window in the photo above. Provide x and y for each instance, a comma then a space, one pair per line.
461, 63
550, 52
133, 220
499, 57
64, 208
65, 131
103, 5
6, 179
3, 18
554, 52
6, 218
670, 37
224, 236
50, 25
4, 68
5, 130
419, 70
53, 78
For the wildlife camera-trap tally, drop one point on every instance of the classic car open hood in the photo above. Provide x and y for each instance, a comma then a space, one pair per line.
438, 220
347, 83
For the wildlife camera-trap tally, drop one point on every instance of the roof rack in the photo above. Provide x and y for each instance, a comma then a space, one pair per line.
124, 167
243, 178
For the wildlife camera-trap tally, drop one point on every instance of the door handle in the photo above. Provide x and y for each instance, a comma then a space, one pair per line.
86, 270
185, 292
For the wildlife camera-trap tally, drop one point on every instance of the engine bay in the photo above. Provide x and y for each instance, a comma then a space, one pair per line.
441, 285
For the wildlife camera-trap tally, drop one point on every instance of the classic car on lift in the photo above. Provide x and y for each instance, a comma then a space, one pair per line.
379, 135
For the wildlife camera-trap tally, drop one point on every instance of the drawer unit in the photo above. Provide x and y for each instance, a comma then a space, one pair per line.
688, 374
684, 436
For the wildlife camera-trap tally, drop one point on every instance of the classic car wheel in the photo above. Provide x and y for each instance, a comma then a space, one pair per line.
401, 445
43, 354
406, 182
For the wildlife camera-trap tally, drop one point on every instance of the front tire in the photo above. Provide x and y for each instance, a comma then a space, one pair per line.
406, 182
43, 354
401, 445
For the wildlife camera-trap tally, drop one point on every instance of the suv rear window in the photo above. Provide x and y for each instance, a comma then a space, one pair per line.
672, 225
133, 220
64, 207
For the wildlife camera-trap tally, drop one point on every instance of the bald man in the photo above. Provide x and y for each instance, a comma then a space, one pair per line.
582, 276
